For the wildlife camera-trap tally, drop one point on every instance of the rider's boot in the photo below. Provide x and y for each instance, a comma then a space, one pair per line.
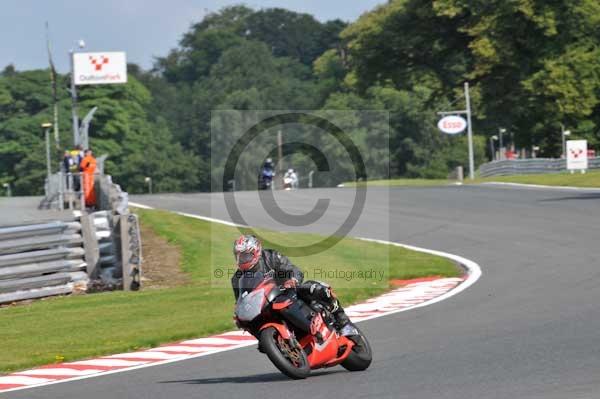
343, 323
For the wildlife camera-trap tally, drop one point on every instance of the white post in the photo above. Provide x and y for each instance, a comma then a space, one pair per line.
502, 151
48, 164
564, 133
279, 157
470, 134
74, 115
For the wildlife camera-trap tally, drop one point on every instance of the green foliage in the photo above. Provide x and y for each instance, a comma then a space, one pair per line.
532, 65
290, 34
136, 146
24, 99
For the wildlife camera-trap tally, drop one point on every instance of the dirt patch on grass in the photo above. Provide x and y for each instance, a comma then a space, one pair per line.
161, 267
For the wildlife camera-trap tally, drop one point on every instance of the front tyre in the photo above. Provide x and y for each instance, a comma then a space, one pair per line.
290, 360
361, 356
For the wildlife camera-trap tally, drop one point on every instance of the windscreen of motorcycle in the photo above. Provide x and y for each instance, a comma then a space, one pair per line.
249, 306
250, 280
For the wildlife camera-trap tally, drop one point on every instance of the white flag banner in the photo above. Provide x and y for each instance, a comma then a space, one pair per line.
99, 68
577, 154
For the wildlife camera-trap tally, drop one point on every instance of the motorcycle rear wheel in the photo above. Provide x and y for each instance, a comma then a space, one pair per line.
291, 361
361, 356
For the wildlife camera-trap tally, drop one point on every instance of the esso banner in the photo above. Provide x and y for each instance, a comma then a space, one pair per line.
452, 124
577, 155
99, 68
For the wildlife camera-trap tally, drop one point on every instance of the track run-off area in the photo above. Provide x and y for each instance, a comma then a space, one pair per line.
528, 328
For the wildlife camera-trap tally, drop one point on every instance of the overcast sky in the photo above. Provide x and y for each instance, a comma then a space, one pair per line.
142, 28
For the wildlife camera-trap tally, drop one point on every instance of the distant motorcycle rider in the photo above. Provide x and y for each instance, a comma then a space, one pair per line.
251, 258
267, 172
291, 177
268, 165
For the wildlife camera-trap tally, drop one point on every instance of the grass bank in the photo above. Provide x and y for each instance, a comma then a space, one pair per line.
589, 179
76, 327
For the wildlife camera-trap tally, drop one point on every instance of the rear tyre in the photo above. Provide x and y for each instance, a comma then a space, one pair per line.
290, 360
361, 356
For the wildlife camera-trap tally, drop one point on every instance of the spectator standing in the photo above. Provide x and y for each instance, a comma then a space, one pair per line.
88, 169
77, 156
67, 164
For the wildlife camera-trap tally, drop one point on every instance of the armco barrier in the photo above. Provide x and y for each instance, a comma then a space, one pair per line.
110, 196
98, 250
40, 260
529, 166
131, 251
121, 256
54, 258
114, 259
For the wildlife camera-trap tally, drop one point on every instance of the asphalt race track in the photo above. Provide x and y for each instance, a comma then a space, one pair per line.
529, 328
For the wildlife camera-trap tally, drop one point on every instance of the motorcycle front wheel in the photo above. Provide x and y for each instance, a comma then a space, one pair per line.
361, 356
289, 359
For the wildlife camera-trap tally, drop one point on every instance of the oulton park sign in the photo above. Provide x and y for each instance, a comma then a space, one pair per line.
99, 68
452, 124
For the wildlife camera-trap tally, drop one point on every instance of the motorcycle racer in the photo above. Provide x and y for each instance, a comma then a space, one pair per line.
251, 258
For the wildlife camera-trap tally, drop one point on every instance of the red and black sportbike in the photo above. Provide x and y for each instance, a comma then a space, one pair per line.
294, 352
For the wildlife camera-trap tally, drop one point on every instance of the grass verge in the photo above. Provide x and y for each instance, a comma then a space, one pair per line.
76, 327
589, 179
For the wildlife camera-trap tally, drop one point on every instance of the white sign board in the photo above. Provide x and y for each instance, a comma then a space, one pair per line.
577, 155
99, 68
452, 124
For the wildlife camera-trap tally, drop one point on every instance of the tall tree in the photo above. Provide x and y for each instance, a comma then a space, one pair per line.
532, 63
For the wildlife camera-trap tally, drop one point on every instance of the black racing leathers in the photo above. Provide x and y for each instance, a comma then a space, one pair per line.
299, 314
270, 260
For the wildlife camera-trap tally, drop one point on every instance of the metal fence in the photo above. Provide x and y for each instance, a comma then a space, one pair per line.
529, 166
56, 257
40, 260
65, 190
109, 195
60, 193
131, 251
97, 250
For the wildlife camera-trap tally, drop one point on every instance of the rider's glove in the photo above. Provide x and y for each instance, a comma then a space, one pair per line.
290, 284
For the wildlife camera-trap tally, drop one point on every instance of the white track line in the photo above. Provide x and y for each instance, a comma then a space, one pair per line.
107, 363
472, 268
473, 271
145, 355
178, 348
473, 274
524, 185
59, 372
16, 379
